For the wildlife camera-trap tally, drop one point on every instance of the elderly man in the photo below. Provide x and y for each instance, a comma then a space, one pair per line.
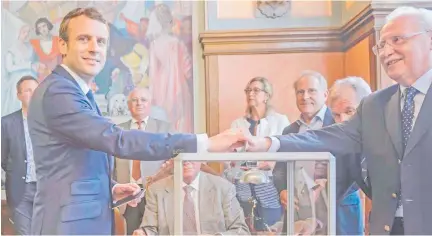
210, 206
136, 171
391, 129
311, 95
344, 98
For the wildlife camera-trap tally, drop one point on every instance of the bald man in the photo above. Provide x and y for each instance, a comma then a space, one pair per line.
139, 104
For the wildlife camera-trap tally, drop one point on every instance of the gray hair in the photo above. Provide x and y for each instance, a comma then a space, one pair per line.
361, 88
424, 15
312, 74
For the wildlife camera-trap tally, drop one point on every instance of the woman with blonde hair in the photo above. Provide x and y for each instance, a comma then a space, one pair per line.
260, 119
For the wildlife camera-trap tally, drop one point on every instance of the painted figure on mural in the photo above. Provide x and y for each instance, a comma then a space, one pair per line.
150, 46
46, 47
19, 61
170, 69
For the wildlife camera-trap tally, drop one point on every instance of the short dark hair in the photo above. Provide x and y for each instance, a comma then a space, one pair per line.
89, 12
25, 78
43, 20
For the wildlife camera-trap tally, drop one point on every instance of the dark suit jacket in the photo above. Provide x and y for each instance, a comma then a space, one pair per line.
73, 146
375, 131
14, 156
348, 180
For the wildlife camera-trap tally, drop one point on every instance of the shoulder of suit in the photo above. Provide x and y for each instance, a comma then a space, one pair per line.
11, 116
288, 129
58, 84
159, 121
382, 95
162, 184
218, 181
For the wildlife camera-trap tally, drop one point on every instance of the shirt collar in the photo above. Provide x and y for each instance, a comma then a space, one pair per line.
23, 116
195, 182
134, 121
83, 85
310, 183
422, 84
320, 115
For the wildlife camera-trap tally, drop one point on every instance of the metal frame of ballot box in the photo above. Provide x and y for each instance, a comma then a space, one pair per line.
289, 157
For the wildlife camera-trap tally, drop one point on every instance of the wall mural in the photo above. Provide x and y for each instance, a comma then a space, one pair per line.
150, 46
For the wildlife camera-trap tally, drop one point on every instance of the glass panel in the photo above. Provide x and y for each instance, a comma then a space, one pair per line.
246, 197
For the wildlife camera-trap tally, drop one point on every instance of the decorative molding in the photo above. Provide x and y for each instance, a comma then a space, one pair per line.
292, 40
270, 41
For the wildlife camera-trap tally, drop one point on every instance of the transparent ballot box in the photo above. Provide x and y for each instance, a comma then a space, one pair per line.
247, 195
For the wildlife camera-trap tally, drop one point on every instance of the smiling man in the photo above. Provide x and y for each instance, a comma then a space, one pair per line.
73, 143
391, 129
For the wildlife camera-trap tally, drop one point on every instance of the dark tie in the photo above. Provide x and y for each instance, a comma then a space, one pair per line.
93, 101
407, 122
408, 114
189, 218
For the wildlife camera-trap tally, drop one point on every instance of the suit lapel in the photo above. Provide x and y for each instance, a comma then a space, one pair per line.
151, 126
393, 123
20, 124
169, 205
422, 123
59, 70
292, 128
328, 118
205, 198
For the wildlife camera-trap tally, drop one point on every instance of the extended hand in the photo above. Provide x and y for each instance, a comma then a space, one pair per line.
139, 232
121, 191
227, 141
258, 144
284, 200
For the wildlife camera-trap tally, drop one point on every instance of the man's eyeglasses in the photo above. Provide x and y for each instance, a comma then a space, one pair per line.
395, 41
255, 90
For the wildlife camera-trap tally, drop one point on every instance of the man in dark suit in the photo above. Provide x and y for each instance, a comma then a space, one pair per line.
391, 129
17, 159
73, 143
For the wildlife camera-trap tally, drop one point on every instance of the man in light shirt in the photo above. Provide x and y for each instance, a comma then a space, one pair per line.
135, 171
311, 95
210, 206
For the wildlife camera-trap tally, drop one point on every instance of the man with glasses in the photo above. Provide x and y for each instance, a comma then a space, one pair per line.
392, 129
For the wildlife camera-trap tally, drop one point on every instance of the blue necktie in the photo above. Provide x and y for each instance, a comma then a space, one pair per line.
93, 101
408, 114
407, 121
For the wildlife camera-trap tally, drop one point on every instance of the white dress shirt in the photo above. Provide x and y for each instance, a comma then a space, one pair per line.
134, 125
195, 198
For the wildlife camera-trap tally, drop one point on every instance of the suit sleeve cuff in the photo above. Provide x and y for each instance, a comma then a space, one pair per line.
112, 191
202, 143
275, 145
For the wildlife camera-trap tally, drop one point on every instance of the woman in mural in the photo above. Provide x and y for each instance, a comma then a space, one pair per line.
170, 70
19, 62
46, 47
